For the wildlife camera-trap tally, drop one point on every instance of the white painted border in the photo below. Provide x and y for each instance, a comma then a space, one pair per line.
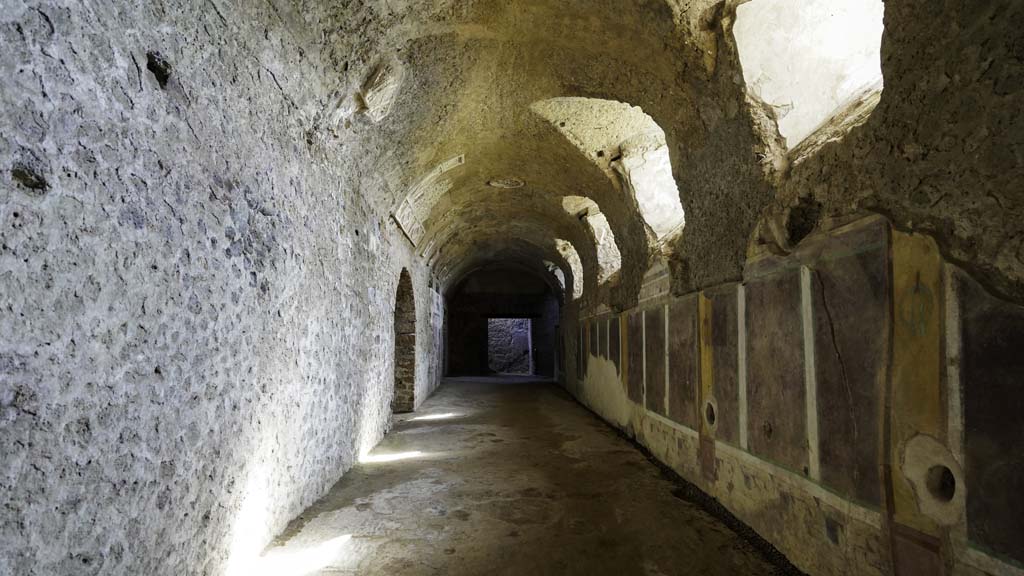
810, 375
850, 509
673, 424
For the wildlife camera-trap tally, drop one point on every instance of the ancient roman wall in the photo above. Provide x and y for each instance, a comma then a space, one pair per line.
860, 372
196, 297
852, 402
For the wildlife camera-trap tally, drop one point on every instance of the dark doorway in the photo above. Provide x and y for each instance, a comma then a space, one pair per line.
488, 303
509, 346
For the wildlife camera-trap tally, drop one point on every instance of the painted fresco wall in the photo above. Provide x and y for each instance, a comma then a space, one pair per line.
856, 402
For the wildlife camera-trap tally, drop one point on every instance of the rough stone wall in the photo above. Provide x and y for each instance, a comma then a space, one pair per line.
940, 154
943, 151
196, 305
508, 346
720, 158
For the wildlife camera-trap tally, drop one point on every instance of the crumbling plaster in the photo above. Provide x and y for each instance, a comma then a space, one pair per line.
941, 153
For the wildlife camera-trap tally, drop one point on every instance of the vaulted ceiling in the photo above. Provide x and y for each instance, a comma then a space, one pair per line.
473, 170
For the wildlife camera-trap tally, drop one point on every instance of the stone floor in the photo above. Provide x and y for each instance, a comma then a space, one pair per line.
504, 476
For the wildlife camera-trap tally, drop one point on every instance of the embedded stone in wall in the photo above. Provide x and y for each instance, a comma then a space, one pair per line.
993, 341
850, 299
777, 424
683, 363
381, 88
654, 358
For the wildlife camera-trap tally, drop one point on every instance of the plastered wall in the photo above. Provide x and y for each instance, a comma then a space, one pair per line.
851, 402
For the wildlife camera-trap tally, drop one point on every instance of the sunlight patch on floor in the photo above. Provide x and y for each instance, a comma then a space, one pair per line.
393, 457
432, 417
301, 562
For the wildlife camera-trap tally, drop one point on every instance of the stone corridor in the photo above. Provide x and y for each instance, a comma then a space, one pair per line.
262, 261
507, 476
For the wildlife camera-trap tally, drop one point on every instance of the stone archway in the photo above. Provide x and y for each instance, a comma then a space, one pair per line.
404, 399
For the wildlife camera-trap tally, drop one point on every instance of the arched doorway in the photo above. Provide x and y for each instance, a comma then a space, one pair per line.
501, 320
404, 399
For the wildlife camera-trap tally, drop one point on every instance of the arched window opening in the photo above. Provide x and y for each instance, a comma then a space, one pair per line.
630, 147
609, 260
568, 252
557, 272
404, 399
816, 62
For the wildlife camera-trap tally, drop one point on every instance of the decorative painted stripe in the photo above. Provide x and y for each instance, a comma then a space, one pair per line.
810, 374
797, 482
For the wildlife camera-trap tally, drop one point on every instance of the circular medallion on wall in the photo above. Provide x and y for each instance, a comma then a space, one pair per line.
710, 414
936, 478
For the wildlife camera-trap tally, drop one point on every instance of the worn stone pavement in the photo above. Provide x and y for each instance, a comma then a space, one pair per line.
507, 476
